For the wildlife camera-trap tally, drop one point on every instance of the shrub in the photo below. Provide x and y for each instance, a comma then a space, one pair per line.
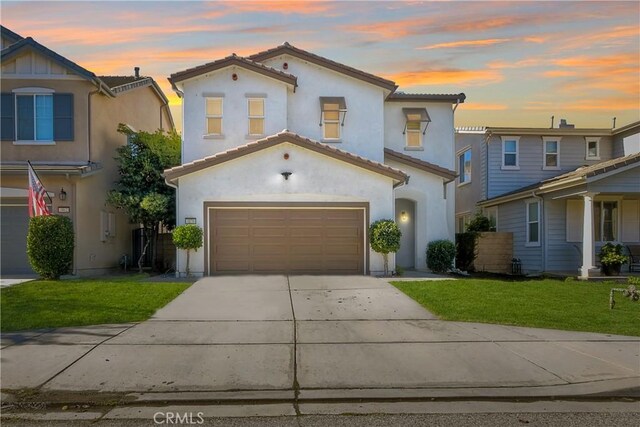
440, 254
187, 237
479, 224
466, 250
50, 245
384, 237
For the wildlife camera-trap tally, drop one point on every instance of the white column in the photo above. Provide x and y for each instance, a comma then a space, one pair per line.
587, 236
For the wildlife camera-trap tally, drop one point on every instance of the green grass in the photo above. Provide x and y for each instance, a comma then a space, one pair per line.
51, 304
554, 304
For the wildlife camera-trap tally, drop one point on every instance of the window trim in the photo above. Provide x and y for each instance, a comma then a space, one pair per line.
213, 116
587, 140
494, 209
527, 241
32, 92
263, 117
618, 201
517, 153
557, 140
460, 171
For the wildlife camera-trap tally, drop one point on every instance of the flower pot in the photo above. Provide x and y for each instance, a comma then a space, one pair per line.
611, 269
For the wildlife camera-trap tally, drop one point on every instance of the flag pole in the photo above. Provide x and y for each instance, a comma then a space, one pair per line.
38, 177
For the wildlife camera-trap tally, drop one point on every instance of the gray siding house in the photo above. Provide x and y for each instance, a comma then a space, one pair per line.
563, 192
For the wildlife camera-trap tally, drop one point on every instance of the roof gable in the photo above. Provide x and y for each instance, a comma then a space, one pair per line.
231, 61
279, 138
9, 35
288, 49
419, 164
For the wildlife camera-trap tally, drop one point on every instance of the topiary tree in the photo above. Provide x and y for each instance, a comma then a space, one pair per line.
50, 245
384, 237
187, 237
440, 255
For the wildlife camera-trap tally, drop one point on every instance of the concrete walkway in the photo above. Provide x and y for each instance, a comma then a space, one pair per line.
277, 337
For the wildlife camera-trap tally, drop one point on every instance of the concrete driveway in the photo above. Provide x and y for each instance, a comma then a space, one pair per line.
263, 337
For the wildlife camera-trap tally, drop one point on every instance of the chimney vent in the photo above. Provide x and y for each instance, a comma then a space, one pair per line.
137, 72
565, 125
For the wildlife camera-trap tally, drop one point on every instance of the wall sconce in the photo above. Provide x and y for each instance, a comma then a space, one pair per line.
286, 175
403, 216
62, 195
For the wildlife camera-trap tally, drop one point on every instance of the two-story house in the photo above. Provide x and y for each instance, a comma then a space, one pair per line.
64, 119
563, 192
289, 156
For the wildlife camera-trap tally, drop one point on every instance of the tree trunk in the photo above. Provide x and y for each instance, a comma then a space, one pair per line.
145, 235
188, 271
386, 264
154, 258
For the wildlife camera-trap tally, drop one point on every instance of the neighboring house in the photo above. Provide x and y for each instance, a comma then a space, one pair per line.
563, 192
289, 156
63, 118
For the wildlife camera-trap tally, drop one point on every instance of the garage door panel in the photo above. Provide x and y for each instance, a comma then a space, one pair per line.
287, 240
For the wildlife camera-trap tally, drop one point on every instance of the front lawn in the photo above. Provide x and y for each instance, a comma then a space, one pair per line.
51, 304
554, 304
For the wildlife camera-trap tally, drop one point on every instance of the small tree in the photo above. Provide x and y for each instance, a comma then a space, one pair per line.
187, 237
384, 237
479, 224
440, 254
50, 245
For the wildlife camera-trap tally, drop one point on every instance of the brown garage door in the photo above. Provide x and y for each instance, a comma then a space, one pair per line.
286, 240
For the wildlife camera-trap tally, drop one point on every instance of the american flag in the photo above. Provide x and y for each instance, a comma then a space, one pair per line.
37, 193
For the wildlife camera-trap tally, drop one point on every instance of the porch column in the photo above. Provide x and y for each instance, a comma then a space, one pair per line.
587, 236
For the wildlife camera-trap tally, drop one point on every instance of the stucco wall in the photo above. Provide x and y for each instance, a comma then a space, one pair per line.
315, 178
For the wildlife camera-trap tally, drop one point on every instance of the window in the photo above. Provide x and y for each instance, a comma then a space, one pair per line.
332, 109
464, 167
415, 117
592, 149
462, 222
214, 116
414, 136
492, 214
510, 153
533, 224
256, 116
551, 153
34, 117
605, 220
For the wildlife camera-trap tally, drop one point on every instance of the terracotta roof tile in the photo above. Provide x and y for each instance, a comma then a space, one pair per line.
420, 164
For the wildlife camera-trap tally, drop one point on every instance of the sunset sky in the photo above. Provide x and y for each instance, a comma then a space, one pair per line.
518, 62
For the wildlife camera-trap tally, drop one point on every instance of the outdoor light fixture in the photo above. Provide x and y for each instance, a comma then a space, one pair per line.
286, 175
403, 216
62, 195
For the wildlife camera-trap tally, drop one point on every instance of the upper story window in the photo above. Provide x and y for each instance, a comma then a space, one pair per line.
256, 116
592, 149
464, 166
551, 153
214, 110
605, 220
510, 155
37, 116
533, 223
417, 121
333, 110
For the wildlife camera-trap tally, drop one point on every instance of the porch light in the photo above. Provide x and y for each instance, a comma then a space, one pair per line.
286, 175
403, 216
62, 195
416, 115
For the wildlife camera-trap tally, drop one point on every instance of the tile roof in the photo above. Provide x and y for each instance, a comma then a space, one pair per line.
423, 97
115, 81
289, 49
580, 174
282, 137
233, 59
420, 164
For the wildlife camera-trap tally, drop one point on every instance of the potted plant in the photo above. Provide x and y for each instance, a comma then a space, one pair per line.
611, 259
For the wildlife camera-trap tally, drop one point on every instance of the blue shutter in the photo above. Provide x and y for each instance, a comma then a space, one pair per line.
8, 114
63, 117
25, 118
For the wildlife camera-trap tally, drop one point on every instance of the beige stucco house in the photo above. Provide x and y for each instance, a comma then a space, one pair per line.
64, 118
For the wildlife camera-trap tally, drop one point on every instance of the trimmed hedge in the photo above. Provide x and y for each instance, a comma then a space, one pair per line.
440, 255
50, 245
466, 250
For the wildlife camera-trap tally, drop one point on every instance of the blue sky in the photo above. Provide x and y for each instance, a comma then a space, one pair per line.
518, 62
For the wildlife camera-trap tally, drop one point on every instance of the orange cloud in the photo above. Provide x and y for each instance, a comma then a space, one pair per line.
530, 62
559, 73
465, 43
309, 7
479, 106
446, 77
610, 37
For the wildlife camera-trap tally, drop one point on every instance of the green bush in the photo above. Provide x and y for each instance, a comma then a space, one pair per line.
440, 254
466, 250
479, 224
384, 237
187, 237
50, 245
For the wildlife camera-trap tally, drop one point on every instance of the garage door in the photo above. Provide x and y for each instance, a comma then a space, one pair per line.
14, 220
286, 240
